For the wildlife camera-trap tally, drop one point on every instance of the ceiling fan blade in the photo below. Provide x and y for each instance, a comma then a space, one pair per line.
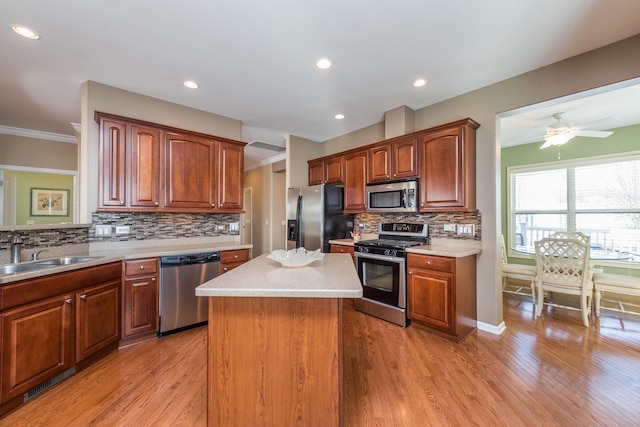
606, 121
593, 133
547, 144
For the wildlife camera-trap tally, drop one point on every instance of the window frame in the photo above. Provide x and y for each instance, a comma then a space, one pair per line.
570, 165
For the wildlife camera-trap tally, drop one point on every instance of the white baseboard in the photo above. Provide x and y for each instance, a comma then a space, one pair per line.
493, 329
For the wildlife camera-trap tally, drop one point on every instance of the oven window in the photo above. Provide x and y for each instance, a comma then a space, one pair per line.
380, 280
386, 199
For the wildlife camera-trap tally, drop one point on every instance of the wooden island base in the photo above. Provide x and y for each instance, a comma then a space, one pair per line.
275, 361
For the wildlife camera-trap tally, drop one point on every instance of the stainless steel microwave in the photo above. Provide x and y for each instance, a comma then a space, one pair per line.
393, 197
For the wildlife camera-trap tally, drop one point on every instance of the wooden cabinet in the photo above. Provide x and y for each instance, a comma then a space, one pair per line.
394, 160
442, 293
342, 249
148, 167
140, 298
51, 323
97, 318
447, 172
355, 181
326, 171
232, 259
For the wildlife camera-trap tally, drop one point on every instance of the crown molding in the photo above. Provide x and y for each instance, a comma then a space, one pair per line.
268, 161
38, 134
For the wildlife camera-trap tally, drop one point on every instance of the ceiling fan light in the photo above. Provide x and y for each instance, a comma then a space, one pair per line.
558, 139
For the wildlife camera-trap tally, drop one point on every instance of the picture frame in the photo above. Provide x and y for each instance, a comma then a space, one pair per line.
49, 202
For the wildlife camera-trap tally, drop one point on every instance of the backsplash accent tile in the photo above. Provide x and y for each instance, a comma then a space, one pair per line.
436, 222
46, 237
146, 226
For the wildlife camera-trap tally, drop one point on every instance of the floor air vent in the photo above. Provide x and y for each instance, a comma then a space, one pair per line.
48, 384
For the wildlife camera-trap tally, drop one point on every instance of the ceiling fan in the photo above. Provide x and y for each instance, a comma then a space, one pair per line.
561, 132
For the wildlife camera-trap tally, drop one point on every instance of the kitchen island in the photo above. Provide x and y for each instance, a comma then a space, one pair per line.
275, 342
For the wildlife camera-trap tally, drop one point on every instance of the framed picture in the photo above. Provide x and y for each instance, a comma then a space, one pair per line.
49, 202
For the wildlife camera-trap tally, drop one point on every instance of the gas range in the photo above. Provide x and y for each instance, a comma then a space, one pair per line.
394, 238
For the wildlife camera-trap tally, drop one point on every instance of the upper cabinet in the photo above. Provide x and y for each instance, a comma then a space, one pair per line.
146, 167
355, 180
327, 170
447, 167
394, 160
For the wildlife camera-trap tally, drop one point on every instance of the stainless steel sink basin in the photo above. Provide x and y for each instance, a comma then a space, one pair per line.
65, 260
19, 268
44, 264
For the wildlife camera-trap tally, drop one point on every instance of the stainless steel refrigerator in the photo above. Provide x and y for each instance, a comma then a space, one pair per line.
315, 216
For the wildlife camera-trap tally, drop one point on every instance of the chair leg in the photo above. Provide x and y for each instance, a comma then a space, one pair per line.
597, 297
540, 302
533, 292
584, 305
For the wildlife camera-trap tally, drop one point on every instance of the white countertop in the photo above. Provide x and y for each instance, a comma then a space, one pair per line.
115, 252
441, 247
334, 276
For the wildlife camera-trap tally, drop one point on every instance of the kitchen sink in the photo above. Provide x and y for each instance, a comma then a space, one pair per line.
41, 265
65, 260
19, 268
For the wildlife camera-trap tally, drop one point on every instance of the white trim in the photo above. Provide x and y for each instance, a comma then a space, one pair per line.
268, 161
492, 329
38, 170
8, 130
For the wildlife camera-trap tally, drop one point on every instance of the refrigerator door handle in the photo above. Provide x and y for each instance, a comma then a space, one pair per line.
299, 222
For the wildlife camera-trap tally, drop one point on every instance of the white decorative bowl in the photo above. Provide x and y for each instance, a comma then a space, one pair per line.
295, 257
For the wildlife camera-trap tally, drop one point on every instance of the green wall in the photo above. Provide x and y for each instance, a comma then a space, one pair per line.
624, 139
25, 181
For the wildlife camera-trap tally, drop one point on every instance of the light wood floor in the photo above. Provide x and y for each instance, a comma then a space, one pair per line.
548, 371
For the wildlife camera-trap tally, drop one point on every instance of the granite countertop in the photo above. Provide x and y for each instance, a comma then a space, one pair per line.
118, 251
334, 276
452, 251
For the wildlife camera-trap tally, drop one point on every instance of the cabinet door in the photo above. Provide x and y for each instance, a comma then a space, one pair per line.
380, 163
316, 172
333, 170
231, 167
113, 164
36, 344
145, 166
140, 305
97, 318
405, 158
190, 172
355, 174
431, 298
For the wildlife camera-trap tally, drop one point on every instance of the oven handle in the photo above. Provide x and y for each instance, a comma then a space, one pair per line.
379, 257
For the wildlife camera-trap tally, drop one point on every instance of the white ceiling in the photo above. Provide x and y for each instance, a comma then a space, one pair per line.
255, 60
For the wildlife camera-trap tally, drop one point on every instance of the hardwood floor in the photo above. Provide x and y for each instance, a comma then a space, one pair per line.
547, 371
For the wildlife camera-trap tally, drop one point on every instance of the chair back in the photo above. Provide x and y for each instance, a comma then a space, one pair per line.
572, 235
563, 263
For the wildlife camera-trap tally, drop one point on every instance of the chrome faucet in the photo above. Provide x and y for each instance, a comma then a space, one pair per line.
16, 243
34, 256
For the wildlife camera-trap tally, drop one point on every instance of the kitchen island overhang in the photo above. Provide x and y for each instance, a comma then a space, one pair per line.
275, 342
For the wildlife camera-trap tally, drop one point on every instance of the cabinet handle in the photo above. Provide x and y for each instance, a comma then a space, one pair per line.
142, 267
235, 256
157, 203
121, 202
410, 272
83, 296
68, 300
428, 262
153, 279
225, 268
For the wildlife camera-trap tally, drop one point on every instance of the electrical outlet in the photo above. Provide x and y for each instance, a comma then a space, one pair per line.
122, 230
450, 227
466, 229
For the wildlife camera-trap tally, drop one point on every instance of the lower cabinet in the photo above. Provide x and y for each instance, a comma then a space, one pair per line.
442, 293
232, 259
140, 298
342, 249
53, 323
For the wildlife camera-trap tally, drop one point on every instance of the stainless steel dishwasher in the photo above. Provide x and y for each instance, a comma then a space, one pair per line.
180, 308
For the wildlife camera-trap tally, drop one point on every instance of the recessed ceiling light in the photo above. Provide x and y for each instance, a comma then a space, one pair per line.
25, 32
191, 84
420, 83
339, 116
323, 63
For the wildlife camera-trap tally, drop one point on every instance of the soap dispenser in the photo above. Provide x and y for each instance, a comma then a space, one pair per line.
16, 244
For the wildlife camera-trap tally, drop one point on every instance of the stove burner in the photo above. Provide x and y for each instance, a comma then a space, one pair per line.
391, 243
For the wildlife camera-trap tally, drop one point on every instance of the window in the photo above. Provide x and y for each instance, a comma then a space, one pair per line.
600, 198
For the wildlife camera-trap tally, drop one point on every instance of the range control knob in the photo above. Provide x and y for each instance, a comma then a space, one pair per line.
391, 252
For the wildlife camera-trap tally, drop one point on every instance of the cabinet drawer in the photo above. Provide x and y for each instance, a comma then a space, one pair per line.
140, 266
239, 255
430, 262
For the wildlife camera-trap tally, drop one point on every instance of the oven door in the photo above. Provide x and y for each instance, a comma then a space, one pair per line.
382, 278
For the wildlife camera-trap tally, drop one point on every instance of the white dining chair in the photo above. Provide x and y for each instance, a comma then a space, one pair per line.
563, 267
519, 272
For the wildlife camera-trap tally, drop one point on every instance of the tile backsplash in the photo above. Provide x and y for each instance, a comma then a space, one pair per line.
436, 222
142, 226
